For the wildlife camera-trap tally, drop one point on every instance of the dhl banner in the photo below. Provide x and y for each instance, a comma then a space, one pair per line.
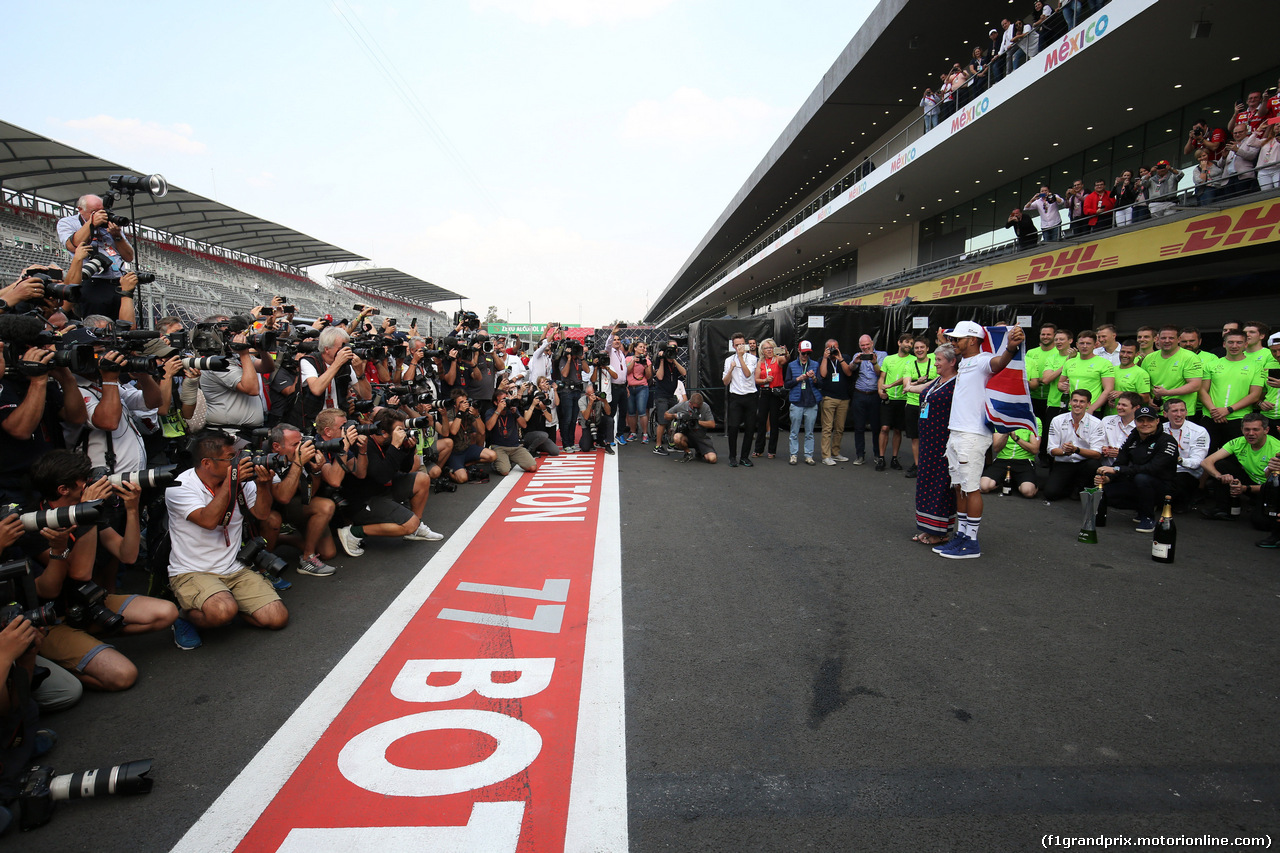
1248, 225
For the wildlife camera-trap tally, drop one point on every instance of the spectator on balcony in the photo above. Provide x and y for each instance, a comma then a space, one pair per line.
1160, 183
1023, 228
1098, 206
977, 73
1047, 205
1201, 136
930, 104
1007, 32
995, 65
1269, 156
1249, 114
1208, 177
1050, 23
1241, 162
1075, 207
1018, 46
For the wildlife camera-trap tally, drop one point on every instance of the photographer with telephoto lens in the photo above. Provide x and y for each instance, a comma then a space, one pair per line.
503, 423
667, 373
597, 421
539, 436
295, 501
689, 421
329, 375
463, 425
209, 506
65, 557
92, 228
388, 495
232, 396
35, 401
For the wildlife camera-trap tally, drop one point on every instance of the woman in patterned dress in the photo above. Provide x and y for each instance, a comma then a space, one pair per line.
935, 499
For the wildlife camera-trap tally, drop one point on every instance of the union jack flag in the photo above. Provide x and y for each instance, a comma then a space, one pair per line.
1008, 394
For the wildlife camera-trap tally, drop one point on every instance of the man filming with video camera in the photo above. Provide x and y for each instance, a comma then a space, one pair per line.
214, 509
64, 559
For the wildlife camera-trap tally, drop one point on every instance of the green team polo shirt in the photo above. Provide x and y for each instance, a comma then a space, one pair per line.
1035, 368
917, 372
1173, 372
1052, 361
1088, 373
1133, 379
1013, 450
1272, 395
1207, 361
895, 367
1231, 380
1254, 462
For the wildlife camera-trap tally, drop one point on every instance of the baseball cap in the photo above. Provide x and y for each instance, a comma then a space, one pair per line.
1164, 163
805, 346
993, 32
1146, 412
1273, 340
966, 329
158, 349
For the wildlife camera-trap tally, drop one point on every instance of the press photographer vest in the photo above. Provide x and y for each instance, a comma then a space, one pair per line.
309, 405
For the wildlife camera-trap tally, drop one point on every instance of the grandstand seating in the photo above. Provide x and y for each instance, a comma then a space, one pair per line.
193, 284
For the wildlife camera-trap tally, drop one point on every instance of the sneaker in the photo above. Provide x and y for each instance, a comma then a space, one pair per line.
573, 448
951, 544
315, 567
661, 451
792, 460
350, 544
608, 448
1272, 541
840, 458
808, 460
644, 439
895, 464
46, 740
911, 473
622, 441
631, 436
746, 463
278, 583
688, 456
828, 460
861, 460
424, 534
733, 463
1146, 524
880, 466
185, 635
966, 550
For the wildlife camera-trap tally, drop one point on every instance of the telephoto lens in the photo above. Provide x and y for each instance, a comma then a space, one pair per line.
75, 515
418, 423
212, 363
161, 476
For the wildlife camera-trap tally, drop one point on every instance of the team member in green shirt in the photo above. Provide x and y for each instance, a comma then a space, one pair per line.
1189, 339
1229, 389
1239, 468
1174, 372
1255, 345
1129, 377
1035, 369
893, 396
1091, 371
1270, 404
920, 371
1015, 458
1052, 373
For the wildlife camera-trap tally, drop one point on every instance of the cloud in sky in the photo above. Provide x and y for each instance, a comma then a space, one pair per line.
131, 134
578, 13
690, 116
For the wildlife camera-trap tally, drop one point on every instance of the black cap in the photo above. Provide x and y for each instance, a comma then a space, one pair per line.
1147, 412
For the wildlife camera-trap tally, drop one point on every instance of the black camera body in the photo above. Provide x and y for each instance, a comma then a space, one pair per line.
85, 607
18, 591
255, 555
41, 790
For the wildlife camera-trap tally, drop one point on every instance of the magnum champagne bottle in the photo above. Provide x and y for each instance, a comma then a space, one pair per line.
1271, 497
1007, 488
1165, 539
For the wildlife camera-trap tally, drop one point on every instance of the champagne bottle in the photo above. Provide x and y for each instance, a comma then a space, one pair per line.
1271, 497
1234, 504
1165, 539
1007, 488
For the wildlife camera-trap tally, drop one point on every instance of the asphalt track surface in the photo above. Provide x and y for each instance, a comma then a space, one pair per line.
801, 676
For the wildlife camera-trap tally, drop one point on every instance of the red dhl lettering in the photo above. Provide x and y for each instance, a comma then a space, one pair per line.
967, 283
1252, 225
895, 296
1063, 263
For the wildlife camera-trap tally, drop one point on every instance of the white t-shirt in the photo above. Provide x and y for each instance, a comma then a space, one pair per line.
969, 403
126, 438
1193, 446
194, 548
331, 401
1113, 357
1088, 436
740, 383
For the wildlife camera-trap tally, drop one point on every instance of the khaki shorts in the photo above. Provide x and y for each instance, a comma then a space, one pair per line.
250, 590
73, 648
966, 457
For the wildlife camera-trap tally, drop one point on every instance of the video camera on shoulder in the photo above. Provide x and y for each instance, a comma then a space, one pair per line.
467, 319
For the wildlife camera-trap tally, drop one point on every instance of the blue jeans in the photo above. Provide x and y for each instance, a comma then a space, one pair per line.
1051, 233
810, 416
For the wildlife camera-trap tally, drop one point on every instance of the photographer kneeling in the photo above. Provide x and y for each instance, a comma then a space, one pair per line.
296, 502
387, 492
464, 427
690, 421
61, 477
208, 505
503, 424
597, 423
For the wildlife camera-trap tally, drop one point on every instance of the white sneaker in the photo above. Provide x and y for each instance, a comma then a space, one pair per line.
828, 461
423, 534
841, 458
349, 542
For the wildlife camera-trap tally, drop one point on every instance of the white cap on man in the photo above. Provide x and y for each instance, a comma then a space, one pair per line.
805, 346
966, 329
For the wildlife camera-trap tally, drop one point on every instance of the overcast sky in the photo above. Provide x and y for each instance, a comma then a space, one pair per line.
565, 153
